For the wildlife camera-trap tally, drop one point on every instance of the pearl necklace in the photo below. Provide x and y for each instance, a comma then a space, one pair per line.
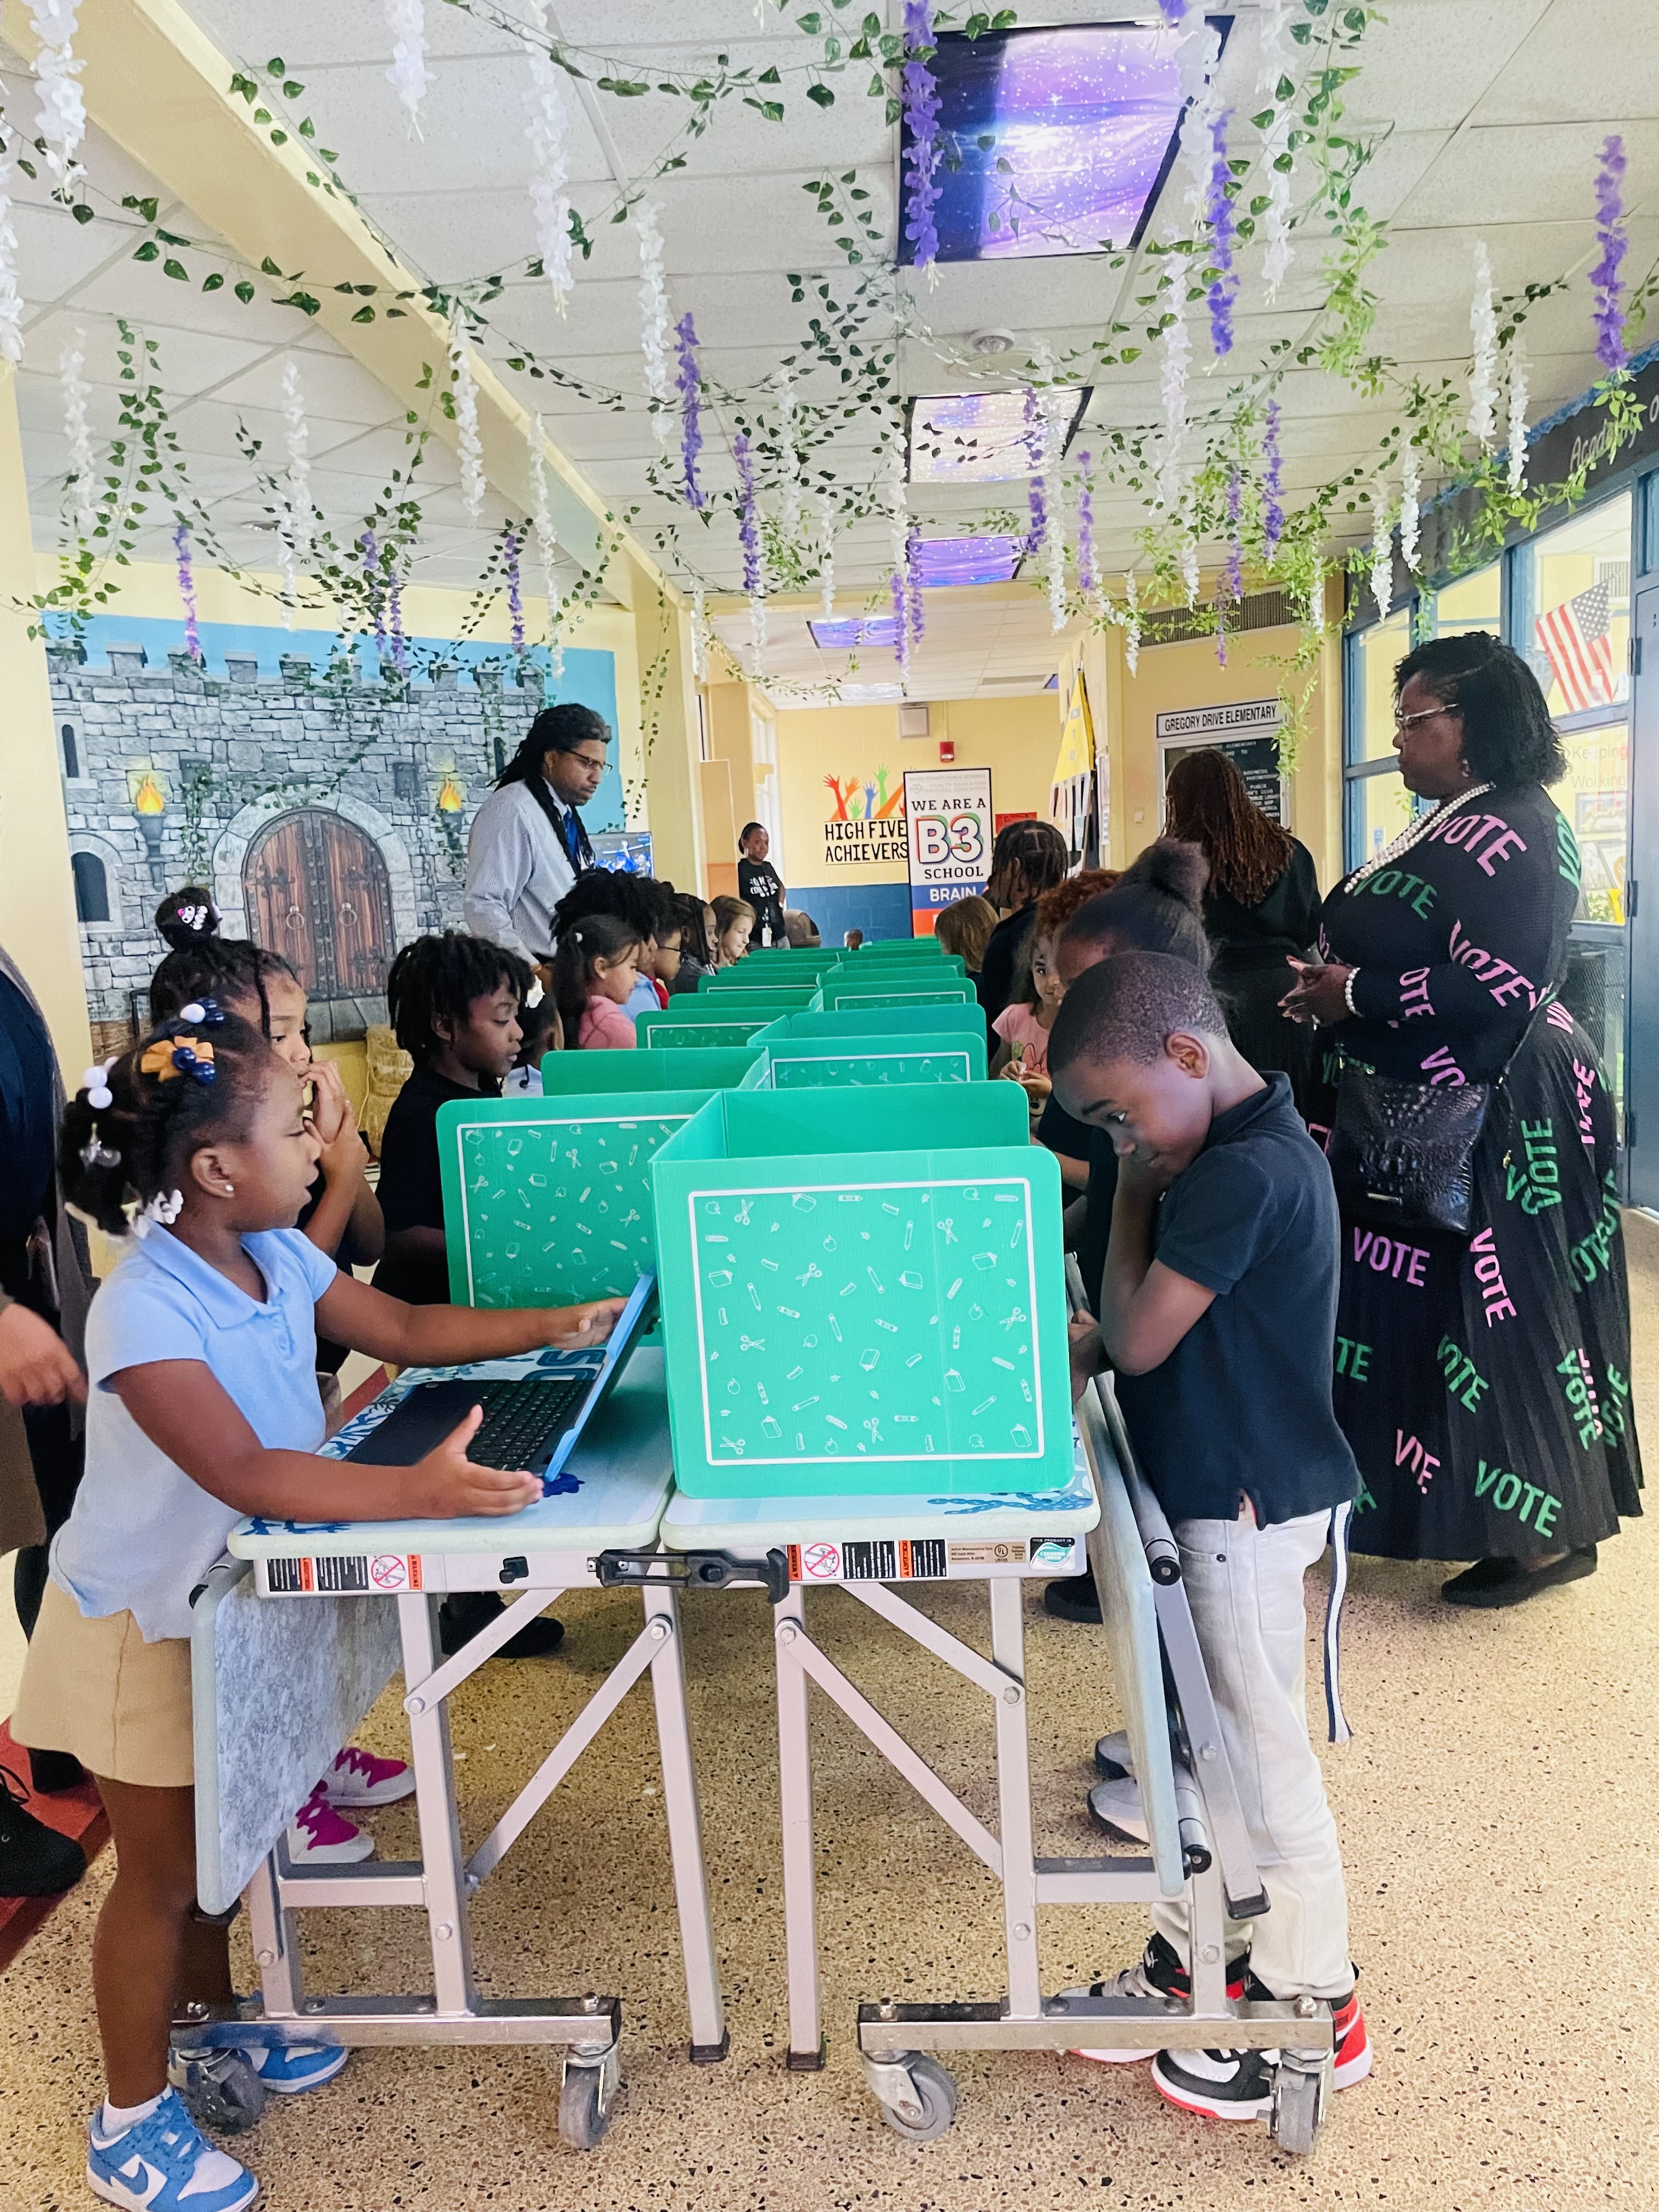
1401, 845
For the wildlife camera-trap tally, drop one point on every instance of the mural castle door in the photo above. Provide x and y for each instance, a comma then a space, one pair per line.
318, 893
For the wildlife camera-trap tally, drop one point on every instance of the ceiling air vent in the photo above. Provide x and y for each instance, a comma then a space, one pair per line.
913, 719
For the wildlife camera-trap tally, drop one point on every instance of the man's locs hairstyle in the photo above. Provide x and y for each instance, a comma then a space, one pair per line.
1127, 1007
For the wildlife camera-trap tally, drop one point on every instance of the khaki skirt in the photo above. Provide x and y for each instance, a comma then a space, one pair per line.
95, 1688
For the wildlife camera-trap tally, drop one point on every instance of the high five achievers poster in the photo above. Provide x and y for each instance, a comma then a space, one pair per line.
948, 823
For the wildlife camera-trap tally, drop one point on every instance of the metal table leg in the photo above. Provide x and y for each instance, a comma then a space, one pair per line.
710, 2040
1019, 1894
800, 1917
441, 1833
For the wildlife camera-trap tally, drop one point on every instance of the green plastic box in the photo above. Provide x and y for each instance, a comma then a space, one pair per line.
873, 992
886, 1021
547, 1201
878, 1307
859, 1059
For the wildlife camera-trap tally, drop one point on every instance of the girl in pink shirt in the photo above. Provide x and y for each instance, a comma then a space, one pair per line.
595, 968
1024, 1024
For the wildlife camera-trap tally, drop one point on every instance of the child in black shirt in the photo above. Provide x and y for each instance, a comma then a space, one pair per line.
1218, 1311
455, 1003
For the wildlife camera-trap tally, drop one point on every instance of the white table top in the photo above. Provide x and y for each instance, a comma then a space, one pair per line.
748, 1525
611, 1494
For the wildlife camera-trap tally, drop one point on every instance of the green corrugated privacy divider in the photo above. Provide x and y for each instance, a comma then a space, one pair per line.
863, 1303
722, 1028
886, 1021
897, 990
547, 1201
859, 1059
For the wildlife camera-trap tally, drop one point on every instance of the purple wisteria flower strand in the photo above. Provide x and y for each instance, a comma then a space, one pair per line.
1605, 279
1233, 573
689, 382
915, 613
748, 520
187, 591
1032, 435
1219, 213
900, 596
399, 645
1272, 484
1174, 11
1088, 571
922, 107
514, 593
369, 549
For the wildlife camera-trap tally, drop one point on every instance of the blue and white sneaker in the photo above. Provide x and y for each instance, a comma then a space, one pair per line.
163, 2163
288, 2070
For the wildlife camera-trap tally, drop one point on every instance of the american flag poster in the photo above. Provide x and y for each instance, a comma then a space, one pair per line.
1577, 636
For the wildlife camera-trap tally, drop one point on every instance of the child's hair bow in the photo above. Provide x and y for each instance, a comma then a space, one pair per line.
180, 1055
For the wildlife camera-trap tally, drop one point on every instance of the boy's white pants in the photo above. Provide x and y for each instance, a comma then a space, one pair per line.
1245, 1586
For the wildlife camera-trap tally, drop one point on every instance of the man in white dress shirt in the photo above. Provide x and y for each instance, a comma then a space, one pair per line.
527, 844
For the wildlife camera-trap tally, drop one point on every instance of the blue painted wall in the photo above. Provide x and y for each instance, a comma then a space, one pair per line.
878, 909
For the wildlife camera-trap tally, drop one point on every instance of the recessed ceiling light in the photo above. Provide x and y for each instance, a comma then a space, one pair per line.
985, 437
991, 341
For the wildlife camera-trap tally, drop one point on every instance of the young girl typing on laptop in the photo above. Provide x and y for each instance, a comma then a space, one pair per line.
203, 1406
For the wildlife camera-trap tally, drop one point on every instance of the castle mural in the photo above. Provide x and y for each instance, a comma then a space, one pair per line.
326, 808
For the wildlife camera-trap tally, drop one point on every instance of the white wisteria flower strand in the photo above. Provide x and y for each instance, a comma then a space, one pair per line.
549, 162
11, 302
1517, 418
1054, 493
77, 431
699, 634
1177, 351
408, 74
827, 554
789, 458
1483, 367
546, 544
1411, 508
469, 445
653, 316
296, 447
63, 113
1382, 548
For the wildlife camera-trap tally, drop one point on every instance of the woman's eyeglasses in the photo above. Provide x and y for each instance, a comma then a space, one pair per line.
1425, 714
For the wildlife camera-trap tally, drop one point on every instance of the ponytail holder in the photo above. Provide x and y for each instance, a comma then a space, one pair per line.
207, 1012
95, 1084
179, 1055
165, 1207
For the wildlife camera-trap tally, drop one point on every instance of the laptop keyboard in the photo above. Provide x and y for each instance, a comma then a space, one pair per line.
520, 1419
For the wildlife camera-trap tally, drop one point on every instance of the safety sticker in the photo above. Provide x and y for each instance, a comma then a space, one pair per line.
356, 1572
1013, 1554
877, 1560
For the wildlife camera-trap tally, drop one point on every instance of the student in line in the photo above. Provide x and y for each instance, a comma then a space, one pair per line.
342, 1218
595, 971
639, 901
203, 1408
454, 1001
1024, 1025
734, 924
693, 915
544, 1032
1218, 1313
759, 884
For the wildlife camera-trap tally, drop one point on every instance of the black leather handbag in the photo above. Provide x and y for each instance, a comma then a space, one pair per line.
1402, 1153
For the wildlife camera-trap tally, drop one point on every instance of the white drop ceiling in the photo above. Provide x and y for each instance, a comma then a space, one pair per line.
1486, 117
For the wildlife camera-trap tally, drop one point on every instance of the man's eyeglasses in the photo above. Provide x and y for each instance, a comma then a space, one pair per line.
591, 760
1425, 714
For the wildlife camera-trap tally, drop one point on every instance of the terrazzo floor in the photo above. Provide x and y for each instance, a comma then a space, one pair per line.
1495, 1812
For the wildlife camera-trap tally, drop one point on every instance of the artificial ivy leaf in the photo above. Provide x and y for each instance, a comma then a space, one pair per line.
1004, 20
303, 302
212, 282
261, 115
306, 128
811, 25
1262, 121
175, 268
820, 95
769, 76
625, 88
268, 268
328, 152
246, 85
400, 313
771, 109
149, 251
279, 137
276, 66
364, 315
245, 292
291, 90
82, 212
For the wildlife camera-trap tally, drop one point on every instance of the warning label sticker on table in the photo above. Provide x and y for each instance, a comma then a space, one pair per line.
877, 1560
350, 1575
989, 1555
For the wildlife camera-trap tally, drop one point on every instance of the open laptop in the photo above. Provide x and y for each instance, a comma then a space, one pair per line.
533, 1422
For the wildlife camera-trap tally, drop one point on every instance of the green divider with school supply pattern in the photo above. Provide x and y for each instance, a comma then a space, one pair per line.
547, 1201
887, 1021
858, 1058
863, 1303
768, 969
873, 992
733, 1018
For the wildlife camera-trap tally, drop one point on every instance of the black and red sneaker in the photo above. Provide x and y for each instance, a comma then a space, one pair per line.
1158, 1974
1239, 2085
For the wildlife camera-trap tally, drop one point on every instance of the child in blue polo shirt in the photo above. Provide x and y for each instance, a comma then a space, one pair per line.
201, 1355
1218, 1313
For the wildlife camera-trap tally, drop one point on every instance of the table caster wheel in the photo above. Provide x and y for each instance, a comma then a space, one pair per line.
585, 2097
1299, 2107
220, 2089
935, 2092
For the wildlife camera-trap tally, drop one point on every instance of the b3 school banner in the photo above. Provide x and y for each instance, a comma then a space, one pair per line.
947, 815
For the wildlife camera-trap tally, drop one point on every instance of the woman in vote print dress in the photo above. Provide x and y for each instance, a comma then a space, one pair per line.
1483, 1383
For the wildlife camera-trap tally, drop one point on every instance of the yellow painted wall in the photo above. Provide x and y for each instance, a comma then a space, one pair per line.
1016, 739
1170, 678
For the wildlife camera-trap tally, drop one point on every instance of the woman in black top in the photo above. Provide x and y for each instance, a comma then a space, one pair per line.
1261, 904
1484, 1383
758, 883
1029, 858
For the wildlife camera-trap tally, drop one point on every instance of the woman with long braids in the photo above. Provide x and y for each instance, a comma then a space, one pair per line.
1260, 904
1483, 1381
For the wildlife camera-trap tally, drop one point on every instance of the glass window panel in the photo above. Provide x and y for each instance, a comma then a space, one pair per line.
1376, 650
1593, 796
1471, 603
1381, 806
1579, 609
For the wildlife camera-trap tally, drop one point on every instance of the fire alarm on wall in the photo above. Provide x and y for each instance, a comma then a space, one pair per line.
947, 751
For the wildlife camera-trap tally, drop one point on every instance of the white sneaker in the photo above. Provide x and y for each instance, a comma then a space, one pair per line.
358, 1777
318, 1837
1116, 1806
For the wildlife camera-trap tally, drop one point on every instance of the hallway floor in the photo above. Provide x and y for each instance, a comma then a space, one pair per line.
1496, 1812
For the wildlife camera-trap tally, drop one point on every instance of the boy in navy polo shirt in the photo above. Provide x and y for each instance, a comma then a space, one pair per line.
1218, 1313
